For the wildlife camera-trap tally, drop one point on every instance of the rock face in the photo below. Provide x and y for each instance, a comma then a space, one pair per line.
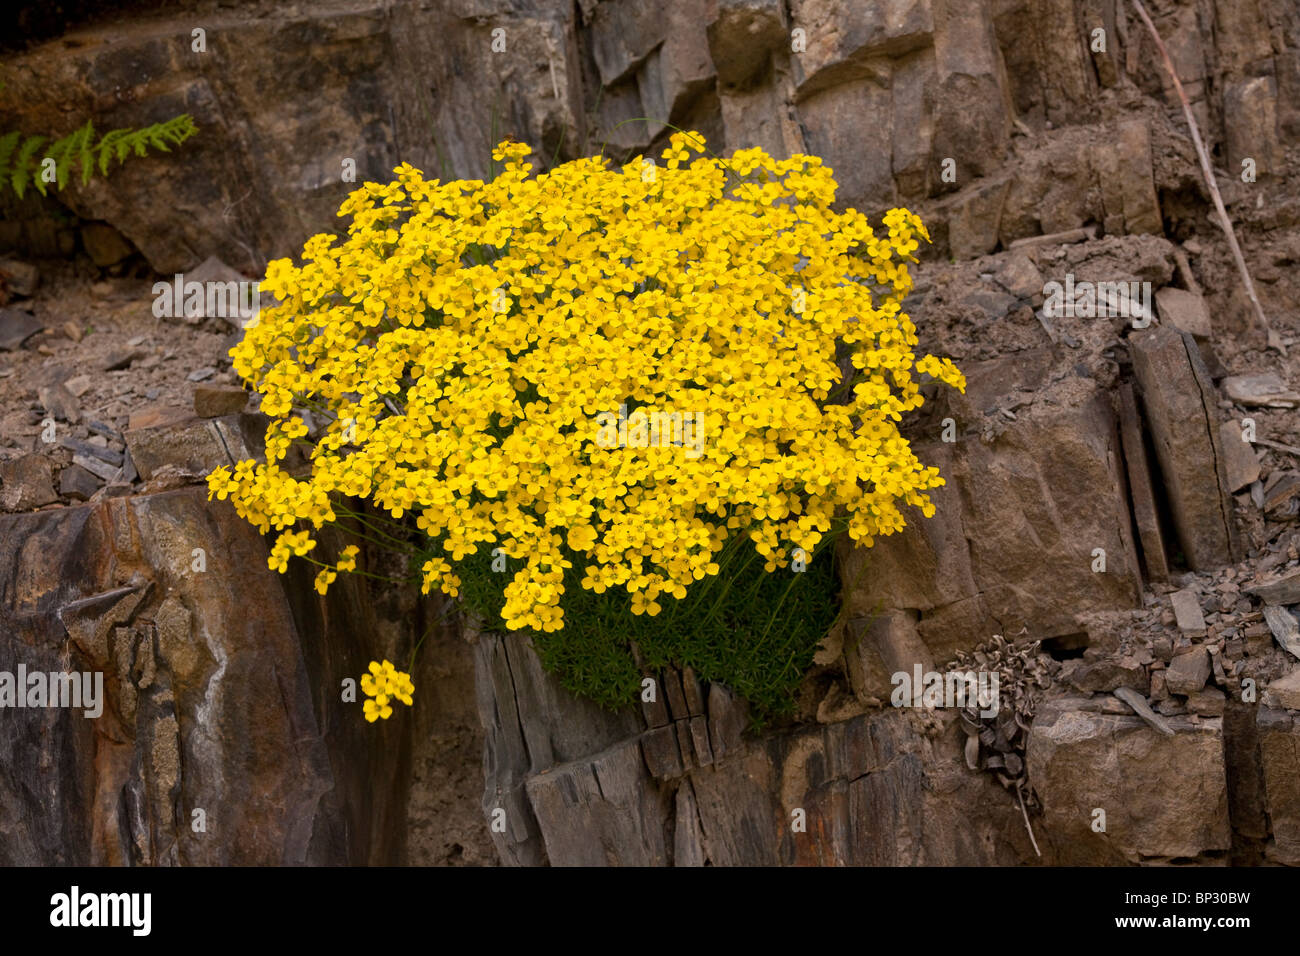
1012, 541
1179, 400
1279, 748
1087, 458
940, 87
222, 737
571, 784
1116, 791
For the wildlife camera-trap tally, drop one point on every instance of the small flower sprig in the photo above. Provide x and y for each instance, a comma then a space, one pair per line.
385, 682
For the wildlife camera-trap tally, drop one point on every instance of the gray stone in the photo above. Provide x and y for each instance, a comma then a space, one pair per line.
16, 328
77, 482
1265, 389
617, 802
97, 466
1284, 627
1283, 588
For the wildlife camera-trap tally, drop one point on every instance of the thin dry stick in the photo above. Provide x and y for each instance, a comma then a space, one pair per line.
1021, 796
1274, 340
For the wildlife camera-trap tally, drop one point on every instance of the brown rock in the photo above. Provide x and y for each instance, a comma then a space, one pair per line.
104, 244
1020, 277
1138, 472
1184, 310
294, 785
880, 647
1163, 796
214, 401
659, 746
1281, 488
700, 738
1208, 702
16, 328
155, 416
194, 447
1285, 691
20, 278
1107, 675
1177, 397
727, 720
1279, 759
696, 704
675, 694
1239, 458
1188, 672
1250, 122
743, 37
26, 484
1187, 612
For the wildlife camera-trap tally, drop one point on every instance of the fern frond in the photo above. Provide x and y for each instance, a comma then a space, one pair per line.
22, 164
79, 147
110, 145
8, 143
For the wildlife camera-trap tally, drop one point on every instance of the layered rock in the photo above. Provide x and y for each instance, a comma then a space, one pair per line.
223, 737
571, 784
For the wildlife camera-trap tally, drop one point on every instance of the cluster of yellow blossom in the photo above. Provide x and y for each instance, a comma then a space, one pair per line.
461, 343
347, 562
382, 683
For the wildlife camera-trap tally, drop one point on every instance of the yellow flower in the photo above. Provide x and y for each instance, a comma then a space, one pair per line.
384, 681
593, 366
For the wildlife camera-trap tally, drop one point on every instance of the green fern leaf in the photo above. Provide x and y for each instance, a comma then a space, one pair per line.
108, 146
85, 154
22, 165
8, 143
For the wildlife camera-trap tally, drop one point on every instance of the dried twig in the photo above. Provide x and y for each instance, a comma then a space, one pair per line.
1021, 797
1277, 446
1274, 340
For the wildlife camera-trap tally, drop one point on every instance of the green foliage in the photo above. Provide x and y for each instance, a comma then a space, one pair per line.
749, 629
79, 148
